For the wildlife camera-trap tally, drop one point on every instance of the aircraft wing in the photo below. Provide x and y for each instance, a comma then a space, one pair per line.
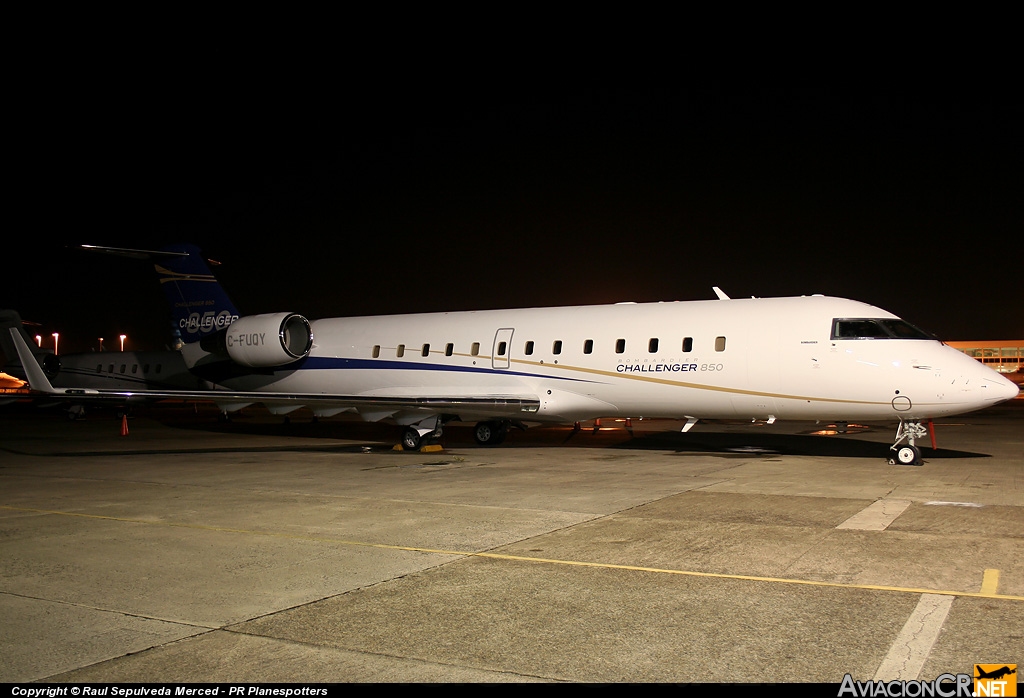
382, 405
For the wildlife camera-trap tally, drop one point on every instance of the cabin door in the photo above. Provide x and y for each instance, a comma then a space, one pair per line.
502, 348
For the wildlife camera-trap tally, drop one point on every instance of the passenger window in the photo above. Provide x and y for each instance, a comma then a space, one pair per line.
135, 368
501, 348
99, 368
449, 349
528, 350
556, 348
123, 367
426, 350
652, 345
620, 346
588, 346
475, 349
687, 344
400, 351
376, 351
110, 369
145, 369
719, 343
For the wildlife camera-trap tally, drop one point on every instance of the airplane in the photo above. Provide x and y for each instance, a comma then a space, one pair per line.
995, 674
109, 370
807, 358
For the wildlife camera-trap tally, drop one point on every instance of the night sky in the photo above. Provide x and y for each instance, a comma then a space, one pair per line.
362, 197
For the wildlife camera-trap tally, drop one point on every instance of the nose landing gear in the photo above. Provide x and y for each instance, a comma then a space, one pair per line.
908, 454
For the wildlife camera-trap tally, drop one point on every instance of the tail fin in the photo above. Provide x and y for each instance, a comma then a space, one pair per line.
33, 371
195, 298
198, 303
11, 320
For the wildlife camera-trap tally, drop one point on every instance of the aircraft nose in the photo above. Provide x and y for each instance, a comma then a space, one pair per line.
1007, 389
998, 387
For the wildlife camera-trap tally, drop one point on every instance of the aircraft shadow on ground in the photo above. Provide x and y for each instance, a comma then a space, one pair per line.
726, 444
763, 444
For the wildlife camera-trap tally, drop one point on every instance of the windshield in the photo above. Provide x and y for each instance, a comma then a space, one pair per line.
876, 328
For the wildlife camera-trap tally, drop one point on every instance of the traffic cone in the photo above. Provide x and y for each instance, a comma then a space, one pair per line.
124, 425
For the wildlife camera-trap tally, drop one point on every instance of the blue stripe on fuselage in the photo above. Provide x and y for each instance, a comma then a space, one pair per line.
318, 363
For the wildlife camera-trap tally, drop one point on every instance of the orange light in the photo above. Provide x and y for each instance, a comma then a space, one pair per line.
122, 341
56, 336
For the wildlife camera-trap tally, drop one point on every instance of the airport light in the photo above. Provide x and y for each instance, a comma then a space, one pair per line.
56, 336
39, 340
122, 341
101, 343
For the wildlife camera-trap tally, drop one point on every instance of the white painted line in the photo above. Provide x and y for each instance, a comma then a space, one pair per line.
877, 516
909, 652
953, 504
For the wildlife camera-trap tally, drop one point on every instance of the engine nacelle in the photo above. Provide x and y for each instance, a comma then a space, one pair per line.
274, 339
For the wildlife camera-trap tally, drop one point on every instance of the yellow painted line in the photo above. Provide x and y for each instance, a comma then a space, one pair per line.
541, 560
990, 583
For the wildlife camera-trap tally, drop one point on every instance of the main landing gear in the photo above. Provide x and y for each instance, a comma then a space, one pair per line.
412, 439
490, 433
908, 454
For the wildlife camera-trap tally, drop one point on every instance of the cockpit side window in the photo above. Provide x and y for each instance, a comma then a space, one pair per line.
880, 328
901, 329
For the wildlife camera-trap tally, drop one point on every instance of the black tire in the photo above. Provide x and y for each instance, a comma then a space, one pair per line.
908, 455
483, 433
411, 439
490, 433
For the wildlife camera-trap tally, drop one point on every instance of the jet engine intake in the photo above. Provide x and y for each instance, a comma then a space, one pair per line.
274, 339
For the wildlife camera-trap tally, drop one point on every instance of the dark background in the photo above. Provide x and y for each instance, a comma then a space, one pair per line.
334, 193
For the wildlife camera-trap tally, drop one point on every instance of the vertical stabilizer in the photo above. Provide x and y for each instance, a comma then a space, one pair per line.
199, 305
11, 320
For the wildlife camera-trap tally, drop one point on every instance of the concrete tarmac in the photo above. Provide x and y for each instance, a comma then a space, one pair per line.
256, 551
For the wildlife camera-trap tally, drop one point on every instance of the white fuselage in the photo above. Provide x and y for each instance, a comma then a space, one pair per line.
740, 358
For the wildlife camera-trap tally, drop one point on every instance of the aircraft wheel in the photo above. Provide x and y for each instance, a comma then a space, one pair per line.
908, 455
411, 439
490, 433
483, 433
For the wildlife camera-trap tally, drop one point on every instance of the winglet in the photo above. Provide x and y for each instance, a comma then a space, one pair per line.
721, 294
36, 378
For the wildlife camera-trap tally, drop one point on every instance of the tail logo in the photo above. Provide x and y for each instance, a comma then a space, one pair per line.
207, 322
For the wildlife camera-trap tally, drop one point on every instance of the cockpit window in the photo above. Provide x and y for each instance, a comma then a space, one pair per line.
881, 328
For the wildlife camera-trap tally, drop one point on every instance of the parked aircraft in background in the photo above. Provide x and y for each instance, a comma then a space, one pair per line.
808, 357
133, 371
